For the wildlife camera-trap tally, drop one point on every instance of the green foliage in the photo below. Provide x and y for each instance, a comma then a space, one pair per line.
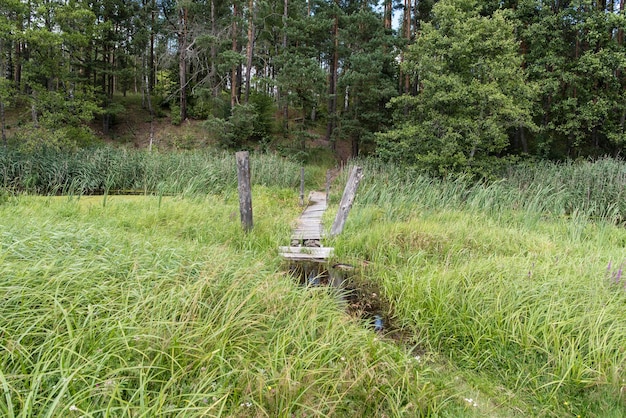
264, 107
573, 52
508, 295
529, 307
175, 115
166, 85
302, 79
7, 90
247, 122
56, 108
472, 90
368, 80
4, 196
67, 138
204, 104
517, 282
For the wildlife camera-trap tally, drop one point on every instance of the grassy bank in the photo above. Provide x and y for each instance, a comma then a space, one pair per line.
523, 297
163, 307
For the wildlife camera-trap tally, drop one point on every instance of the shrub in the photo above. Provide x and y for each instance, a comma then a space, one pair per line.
245, 124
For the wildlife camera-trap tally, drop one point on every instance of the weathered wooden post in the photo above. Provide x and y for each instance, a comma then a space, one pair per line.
327, 185
301, 186
245, 191
346, 200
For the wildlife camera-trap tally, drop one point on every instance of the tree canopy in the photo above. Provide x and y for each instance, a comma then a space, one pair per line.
470, 91
446, 84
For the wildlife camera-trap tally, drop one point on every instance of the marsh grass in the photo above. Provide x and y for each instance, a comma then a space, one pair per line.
591, 190
112, 170
151, 306
512, 281
529, 307
510, 293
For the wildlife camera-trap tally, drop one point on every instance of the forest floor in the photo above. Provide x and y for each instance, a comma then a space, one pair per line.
131, 128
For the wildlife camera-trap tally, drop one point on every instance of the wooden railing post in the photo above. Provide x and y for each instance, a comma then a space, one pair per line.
327, 185
245, 191
346, 200
301, 186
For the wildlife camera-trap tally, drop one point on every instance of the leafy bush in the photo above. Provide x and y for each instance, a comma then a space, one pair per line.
264, 106
245, 124
63, 138
175, 115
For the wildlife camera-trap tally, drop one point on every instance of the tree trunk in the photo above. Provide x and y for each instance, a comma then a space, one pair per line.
355, 147
152, 76
33, 114
182, 62
332, 79
213, 70
235, 48
150, 109
407, 81
387, 14
250, 46
523, 140
17, 62
620, 31
2, 118
3, 123
281, 93
111, 77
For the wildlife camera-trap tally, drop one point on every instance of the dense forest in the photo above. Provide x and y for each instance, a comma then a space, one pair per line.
445, 85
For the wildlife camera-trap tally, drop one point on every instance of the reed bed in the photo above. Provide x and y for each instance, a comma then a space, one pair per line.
112, 170
590, 189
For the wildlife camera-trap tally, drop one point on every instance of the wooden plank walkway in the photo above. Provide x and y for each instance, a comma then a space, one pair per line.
306, 238
309, 225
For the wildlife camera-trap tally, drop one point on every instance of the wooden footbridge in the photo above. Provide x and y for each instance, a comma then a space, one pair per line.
308, 235
306, 238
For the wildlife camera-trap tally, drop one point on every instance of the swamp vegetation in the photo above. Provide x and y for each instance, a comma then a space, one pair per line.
506, 298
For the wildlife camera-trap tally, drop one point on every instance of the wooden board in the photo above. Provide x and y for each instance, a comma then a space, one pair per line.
309, 227
306, 253
307, 236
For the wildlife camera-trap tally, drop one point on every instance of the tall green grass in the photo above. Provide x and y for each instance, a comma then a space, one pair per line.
113, 170
164, 307
595, 190
514, 281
